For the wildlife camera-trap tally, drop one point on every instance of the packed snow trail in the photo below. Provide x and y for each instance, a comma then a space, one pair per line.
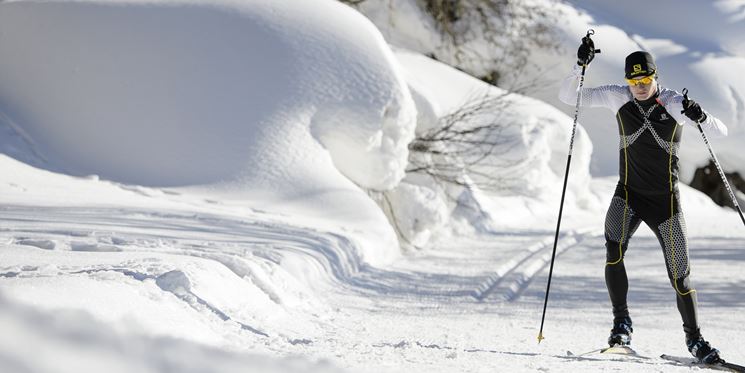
464, 305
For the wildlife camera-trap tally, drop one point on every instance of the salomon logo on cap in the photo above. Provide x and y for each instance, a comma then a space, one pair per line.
640, 63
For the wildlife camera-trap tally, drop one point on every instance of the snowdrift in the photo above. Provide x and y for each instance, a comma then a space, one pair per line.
71, 341
526, 167
136, 92
195, 275
265, 104
260, 101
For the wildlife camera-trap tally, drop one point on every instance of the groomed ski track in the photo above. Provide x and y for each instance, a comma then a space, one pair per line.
472, 305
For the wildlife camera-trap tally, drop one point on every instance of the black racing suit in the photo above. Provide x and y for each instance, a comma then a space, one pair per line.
650, 133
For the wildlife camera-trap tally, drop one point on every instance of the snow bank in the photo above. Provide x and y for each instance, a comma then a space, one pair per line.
268, 103
167, 103
164, 264
35, 341
528, 164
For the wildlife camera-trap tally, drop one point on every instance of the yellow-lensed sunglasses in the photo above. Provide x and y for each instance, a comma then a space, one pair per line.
643, 81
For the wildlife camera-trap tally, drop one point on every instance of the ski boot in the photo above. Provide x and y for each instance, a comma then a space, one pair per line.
702, 350
620, 335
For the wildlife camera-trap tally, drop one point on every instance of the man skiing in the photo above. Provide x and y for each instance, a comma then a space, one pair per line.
650, 123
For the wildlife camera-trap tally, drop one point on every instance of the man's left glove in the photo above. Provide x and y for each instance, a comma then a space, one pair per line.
693, 110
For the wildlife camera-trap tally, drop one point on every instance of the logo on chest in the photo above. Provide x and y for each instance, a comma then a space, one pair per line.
664, 116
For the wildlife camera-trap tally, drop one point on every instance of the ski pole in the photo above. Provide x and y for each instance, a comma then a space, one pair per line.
566, 177
716, 163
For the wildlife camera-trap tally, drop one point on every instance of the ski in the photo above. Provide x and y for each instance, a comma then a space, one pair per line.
612, 350
722, 366
619, 350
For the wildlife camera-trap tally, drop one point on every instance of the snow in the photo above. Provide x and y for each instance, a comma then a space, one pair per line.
531, 160
70, 341
193, 186
177, 106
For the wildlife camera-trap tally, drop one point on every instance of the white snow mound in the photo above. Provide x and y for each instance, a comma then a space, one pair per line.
269, 95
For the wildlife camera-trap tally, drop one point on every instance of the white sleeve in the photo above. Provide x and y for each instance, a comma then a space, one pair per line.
713, 127
609, 96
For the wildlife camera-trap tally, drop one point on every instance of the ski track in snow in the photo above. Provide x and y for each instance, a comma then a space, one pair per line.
482, 278
518, 273
220, 238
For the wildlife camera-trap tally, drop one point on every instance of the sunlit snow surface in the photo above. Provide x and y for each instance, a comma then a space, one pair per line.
161, 262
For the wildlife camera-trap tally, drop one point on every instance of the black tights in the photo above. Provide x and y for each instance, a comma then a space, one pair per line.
662, 214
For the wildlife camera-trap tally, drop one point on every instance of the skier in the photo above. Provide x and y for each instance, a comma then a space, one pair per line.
650, 124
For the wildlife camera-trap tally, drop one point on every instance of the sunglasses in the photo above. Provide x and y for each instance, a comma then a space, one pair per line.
643, 81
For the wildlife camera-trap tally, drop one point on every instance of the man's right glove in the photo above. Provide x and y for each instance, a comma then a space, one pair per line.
586, 51
692, 109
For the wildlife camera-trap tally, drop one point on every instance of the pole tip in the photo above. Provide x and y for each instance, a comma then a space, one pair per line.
540, 337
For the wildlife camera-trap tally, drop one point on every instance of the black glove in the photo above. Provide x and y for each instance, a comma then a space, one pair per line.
692, 109
586, 51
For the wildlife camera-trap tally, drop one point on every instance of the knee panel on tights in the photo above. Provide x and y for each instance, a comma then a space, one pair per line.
675, 246
620, 224
614, 252
682, 285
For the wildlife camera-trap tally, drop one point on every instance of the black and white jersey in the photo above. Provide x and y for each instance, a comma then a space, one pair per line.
649, 131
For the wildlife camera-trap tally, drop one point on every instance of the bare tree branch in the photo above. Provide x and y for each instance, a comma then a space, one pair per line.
469, 141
